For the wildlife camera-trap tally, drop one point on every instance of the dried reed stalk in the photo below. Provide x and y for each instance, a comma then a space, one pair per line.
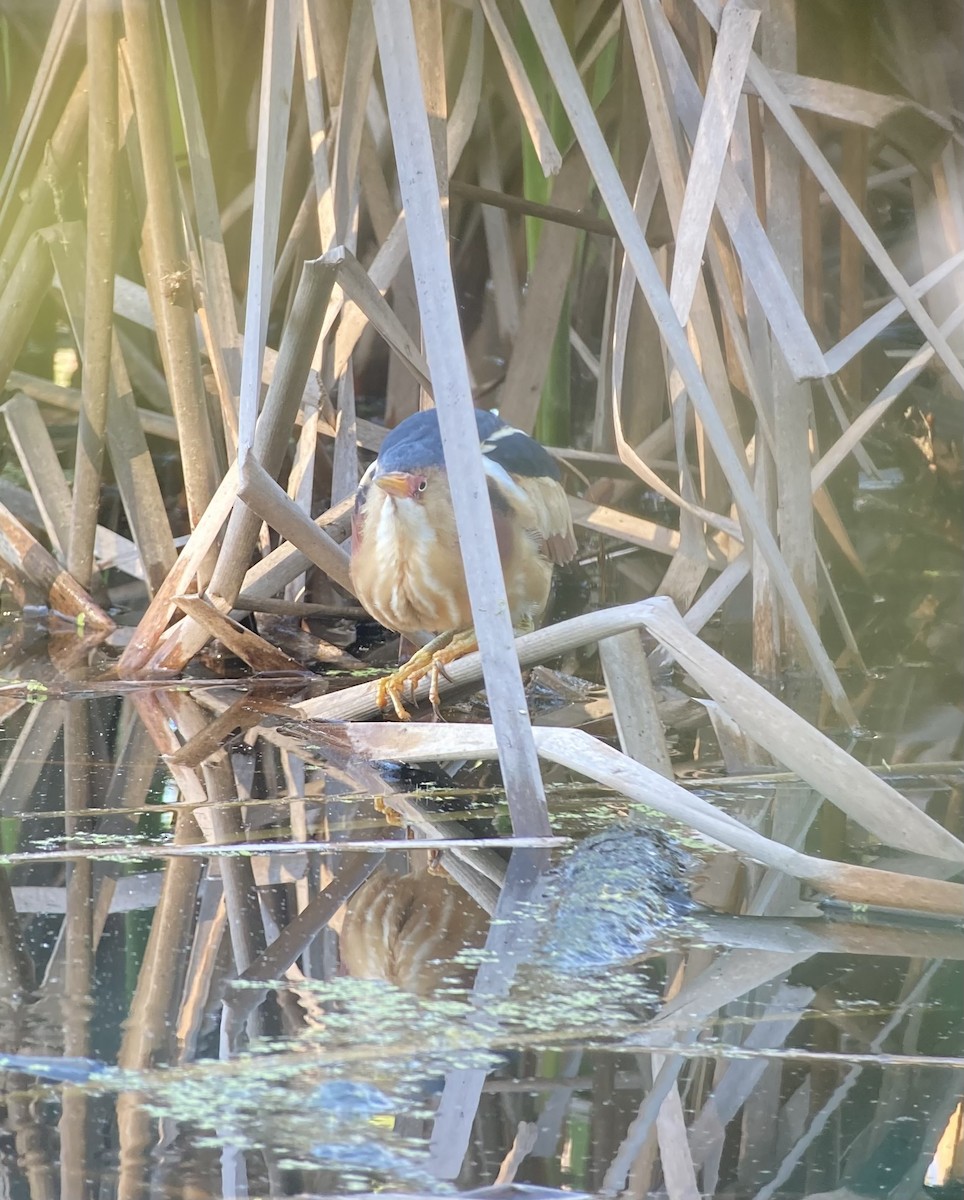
99, 289
358, 164
167, 268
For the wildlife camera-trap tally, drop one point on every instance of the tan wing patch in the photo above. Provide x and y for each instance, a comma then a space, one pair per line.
549, 517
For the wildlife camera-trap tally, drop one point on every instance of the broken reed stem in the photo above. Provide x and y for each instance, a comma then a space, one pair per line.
49, 79
23, 554
39, 462
218, 297
581, 752
161, 609
99, 289
792, 400
133, 466
279, 411
787, 736
419, 188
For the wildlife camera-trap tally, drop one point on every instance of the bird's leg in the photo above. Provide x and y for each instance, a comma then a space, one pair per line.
392, 687
431, 660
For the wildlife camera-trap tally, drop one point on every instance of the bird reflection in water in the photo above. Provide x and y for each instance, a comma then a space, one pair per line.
407, 929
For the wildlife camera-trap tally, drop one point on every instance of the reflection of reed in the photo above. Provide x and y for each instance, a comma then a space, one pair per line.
406, 929
634, 1108
79, 946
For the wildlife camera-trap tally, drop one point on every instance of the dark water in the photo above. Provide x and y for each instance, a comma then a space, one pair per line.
182, 1022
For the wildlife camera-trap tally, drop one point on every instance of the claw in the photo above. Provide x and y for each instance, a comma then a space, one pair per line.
438, 667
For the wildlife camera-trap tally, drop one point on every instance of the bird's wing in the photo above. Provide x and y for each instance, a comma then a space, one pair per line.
518, 453
551, 520
527, 475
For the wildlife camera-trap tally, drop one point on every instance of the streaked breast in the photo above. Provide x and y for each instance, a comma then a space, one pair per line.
407, 570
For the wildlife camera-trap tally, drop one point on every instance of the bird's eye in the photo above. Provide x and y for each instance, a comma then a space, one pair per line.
422, 485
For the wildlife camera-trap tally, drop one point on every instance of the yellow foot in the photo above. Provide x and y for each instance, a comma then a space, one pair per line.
430, 660
392, 687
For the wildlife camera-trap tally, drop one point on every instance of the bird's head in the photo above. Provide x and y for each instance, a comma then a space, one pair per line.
409, 476
411, 463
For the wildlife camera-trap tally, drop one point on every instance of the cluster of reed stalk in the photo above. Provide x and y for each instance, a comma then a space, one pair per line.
244, 213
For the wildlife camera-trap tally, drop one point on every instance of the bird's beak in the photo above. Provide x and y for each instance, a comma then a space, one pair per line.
396, 483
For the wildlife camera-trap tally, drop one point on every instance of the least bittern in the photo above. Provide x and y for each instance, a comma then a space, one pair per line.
406, 564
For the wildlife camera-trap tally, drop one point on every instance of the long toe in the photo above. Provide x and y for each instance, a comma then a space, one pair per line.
390, 693
433, 695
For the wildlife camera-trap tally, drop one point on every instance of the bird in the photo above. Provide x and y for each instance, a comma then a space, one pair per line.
406, 565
